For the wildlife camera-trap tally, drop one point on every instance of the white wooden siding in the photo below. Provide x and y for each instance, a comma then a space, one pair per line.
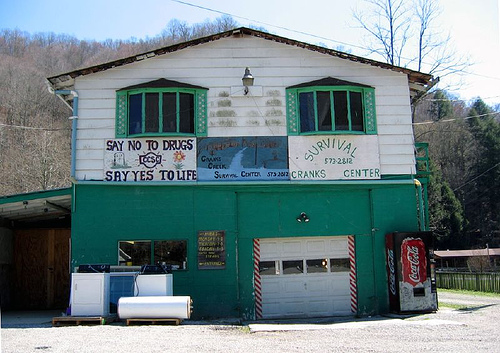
219, 66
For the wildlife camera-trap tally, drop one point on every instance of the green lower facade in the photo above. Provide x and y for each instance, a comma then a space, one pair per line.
105, 214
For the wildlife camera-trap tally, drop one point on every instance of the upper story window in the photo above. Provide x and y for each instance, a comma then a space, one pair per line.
332, 106
162, 107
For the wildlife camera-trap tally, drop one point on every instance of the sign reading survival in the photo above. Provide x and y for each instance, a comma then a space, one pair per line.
334, 157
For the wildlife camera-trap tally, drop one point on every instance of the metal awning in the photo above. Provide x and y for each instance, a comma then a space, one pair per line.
36, 206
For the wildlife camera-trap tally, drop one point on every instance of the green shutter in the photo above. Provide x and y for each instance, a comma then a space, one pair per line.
370, 116
201, 113
121, 114
292, 112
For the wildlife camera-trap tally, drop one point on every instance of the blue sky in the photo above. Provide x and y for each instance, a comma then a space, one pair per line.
473, 25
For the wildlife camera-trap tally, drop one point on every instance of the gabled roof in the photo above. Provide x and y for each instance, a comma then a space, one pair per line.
162, 83
66, 80
328, 81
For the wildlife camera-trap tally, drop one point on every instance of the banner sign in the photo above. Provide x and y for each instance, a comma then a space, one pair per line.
242, 158
211, 250
413, 261
334, 157
148, 159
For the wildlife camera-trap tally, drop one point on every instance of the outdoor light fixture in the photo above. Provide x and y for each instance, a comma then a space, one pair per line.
303, 218
247, 80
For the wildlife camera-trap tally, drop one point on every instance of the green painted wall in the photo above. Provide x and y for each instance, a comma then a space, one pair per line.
105, 214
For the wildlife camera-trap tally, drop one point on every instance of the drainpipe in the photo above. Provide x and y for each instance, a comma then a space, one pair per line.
74, 125
421, 222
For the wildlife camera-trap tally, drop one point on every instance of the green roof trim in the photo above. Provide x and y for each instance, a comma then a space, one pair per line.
35, 195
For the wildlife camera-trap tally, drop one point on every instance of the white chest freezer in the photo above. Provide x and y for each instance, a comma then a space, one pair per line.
153, 285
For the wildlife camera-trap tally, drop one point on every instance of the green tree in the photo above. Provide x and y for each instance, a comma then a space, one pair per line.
446, 215
482, 191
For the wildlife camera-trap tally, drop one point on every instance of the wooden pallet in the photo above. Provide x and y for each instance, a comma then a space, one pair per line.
153, 322
80, 320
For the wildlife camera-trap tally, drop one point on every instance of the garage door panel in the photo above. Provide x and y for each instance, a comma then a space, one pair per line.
293, 307
270, 249
270, 288
318, 285
294, 287
315, 246
291, 248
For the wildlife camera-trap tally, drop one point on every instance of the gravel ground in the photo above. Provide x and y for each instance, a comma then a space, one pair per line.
471, 328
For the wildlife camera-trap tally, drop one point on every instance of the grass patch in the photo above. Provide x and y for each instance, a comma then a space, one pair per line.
469, 292
454, 306
245, 329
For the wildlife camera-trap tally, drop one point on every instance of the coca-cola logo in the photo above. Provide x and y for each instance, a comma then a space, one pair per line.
392, 271
413, 260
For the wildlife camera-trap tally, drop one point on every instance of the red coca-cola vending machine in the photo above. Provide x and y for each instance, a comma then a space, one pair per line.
410, 270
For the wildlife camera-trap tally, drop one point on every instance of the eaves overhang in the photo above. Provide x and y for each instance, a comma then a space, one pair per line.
417, 80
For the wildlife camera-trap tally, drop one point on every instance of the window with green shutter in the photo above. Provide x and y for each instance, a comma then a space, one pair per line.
330, 106
161, 108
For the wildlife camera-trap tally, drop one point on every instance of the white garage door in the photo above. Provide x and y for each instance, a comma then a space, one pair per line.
303, 277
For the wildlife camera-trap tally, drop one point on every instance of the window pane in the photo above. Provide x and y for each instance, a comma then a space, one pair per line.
306, 104
267, 268
293, 267
169, 112
340, 109
135, 114
324, 111
356, 111
134, 253
339, 265
186, 113
171, 252
152, 112
317, 266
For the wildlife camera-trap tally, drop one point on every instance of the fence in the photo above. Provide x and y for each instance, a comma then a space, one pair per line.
482, 282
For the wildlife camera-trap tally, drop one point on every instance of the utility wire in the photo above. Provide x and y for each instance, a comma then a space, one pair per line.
448, 120
32, 128
267, 24
480, 175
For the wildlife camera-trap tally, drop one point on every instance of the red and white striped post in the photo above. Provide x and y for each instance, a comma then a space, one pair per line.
257, 279
352, 274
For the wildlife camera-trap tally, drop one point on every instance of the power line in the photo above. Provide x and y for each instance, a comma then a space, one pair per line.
448, 120
480, 175
267, 24
32, 128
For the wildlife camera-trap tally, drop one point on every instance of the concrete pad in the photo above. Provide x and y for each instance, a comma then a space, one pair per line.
28, 318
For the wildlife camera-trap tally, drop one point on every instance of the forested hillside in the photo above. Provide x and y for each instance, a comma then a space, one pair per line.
464, 192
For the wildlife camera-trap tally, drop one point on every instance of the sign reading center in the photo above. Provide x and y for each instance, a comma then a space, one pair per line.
334, 157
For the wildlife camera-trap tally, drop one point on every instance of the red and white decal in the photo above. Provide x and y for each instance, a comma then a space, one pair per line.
257, 279
352, 275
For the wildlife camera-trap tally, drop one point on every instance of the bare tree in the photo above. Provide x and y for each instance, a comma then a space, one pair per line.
388, 24
404, 34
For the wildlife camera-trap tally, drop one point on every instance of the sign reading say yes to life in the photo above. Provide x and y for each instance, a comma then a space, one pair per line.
146, 159
334, 157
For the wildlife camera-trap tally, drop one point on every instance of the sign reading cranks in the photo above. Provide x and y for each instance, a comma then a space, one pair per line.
334, 157
211, 250
167, 159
